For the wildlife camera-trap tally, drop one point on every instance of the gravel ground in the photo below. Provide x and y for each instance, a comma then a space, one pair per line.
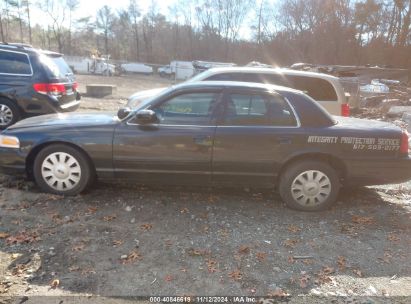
122, 240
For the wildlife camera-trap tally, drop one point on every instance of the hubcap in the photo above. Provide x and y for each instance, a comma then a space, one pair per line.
6, 115
311, 188
61, 171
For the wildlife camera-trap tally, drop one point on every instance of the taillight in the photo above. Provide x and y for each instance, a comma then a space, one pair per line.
50, 88
345, 109
404, 143
75, 86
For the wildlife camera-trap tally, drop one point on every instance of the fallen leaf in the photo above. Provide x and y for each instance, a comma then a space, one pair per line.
290, 243
294, 229
184, 210
91, 210
235, 275
363, 220
146, 227
328, 270
211, 265
261, 256
55, 283
197, 252
4, 235
341, 263
23, 237
357, 272
132, 257
118, 242
78, 247
386, 258
244, 249
168, 278
393, 237
304, 281
291, 260
109, 218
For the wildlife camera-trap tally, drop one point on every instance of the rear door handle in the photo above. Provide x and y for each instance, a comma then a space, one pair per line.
284, 140
203, 140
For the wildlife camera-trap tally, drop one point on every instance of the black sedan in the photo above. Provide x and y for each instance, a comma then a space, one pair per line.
212, 133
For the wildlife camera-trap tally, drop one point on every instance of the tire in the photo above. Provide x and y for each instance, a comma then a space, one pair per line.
70, 177
9, 113
309, 186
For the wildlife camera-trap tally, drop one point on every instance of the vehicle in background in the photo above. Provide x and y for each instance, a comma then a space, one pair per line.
179, 70
135, 67
212, 133
201, 66
34, 82
325, 89
92, 65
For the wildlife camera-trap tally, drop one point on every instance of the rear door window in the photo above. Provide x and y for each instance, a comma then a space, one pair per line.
15, 63
257, 110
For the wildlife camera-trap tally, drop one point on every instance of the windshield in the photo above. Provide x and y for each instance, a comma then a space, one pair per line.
55, 66
199, 77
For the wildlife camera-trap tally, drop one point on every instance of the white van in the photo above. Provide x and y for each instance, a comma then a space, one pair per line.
325, 89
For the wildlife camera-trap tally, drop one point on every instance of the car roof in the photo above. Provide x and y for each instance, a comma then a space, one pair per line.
265, 70
26, 48
234, 84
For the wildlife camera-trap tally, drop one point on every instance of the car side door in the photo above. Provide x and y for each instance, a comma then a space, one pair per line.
175, 150
255, 134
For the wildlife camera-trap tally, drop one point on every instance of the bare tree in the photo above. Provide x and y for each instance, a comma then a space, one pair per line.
134, 13
56, 11
104, 22
72, 5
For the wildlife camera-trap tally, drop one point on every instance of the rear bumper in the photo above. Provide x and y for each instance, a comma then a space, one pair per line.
12, 162
48, 105
378, 172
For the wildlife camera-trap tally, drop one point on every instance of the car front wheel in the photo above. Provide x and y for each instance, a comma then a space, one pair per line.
62, 170
309, 186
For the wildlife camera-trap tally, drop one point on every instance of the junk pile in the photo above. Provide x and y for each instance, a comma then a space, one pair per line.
373, 92
384, 99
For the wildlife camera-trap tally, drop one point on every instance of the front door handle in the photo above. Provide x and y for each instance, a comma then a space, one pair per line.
203, 140
284, 140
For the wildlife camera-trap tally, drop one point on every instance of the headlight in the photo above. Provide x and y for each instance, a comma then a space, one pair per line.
9, 142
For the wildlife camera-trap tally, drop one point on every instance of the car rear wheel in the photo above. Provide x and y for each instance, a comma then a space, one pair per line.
62, 170
309, 186
9, 113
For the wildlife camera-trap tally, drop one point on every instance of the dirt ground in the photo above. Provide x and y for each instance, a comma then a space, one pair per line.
119, 241
126, 86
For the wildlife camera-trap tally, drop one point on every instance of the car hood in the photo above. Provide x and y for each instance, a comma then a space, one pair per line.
69, 119
140, 98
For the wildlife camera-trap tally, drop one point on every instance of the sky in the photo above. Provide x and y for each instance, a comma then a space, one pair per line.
89, 8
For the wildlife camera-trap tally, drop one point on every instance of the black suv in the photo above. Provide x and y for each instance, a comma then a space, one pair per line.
34, 82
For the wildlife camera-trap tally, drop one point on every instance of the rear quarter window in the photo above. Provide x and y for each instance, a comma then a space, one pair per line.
55, 66
14, 63
317, 88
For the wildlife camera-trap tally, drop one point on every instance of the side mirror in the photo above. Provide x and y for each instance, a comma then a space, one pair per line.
146, 117
123, 113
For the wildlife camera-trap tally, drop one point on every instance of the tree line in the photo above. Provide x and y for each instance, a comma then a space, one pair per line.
358, 32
